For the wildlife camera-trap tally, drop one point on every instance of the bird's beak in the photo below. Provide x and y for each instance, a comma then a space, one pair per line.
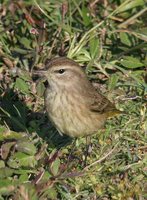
40, 73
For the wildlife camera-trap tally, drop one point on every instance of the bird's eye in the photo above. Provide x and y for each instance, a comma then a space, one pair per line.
60, 71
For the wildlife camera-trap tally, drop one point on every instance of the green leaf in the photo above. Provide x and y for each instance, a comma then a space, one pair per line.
9, 135
25, 75
6, 186
6, 148
20, 159
26, 147
124, 37
6, 172
40, 89
21, 85
86, 16
25, 42
46, 176
94, 47
141, 34
55, 166
2, 164
127, 5
20, 51
51, 193
23, 178
131, 62
30, 192
113, 81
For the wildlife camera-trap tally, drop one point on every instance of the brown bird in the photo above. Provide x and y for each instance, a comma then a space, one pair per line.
73, 105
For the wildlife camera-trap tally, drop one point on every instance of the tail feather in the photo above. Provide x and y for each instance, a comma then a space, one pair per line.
113, 113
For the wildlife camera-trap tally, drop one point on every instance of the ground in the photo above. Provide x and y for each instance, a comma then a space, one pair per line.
108, 39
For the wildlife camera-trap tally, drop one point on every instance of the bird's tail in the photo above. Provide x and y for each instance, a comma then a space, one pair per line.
113, 113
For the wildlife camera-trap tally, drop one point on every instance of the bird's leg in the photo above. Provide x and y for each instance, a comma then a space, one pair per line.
72, 149
72, 157
88, 149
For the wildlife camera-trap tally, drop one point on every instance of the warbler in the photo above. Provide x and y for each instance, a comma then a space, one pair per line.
72, 103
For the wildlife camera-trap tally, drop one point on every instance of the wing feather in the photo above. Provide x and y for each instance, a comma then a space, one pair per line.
96, 101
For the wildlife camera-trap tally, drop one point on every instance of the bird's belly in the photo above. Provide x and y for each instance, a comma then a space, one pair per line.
72, 119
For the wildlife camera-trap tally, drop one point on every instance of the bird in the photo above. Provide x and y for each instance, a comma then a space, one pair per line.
73, 105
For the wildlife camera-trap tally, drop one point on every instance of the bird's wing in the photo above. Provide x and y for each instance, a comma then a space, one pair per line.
99, 103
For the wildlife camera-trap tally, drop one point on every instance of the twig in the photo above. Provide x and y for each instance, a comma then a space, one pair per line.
92, 4
131, 19
102, 159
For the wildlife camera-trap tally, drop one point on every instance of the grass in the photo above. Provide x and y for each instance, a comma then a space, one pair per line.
109, 38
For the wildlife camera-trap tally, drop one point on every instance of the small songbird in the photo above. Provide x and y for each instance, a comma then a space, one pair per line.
73, 105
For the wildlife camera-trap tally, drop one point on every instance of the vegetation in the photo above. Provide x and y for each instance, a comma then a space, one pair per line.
109, 38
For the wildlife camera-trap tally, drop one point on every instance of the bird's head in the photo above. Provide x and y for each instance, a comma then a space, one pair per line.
63, 72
